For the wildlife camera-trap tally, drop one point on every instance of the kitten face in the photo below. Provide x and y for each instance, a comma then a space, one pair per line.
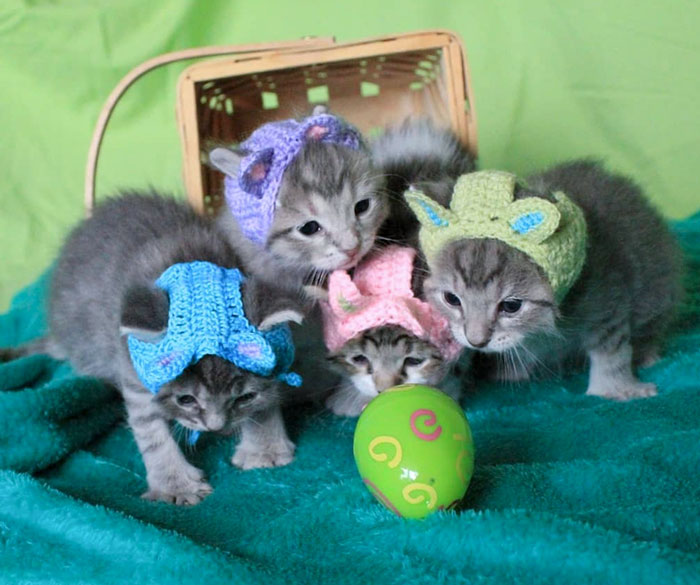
215, 395
492, 295
329, 209
383, 357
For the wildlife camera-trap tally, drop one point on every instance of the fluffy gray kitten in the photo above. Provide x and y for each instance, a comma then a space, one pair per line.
499, 302
328, 212
102, 289
417, 154
380, 358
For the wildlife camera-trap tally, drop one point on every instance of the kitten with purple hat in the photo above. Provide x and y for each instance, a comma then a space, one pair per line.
302, 198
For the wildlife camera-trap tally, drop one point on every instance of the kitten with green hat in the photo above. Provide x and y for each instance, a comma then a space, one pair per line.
539, 273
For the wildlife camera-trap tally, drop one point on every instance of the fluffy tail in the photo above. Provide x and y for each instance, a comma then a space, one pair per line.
41, 345
418, 154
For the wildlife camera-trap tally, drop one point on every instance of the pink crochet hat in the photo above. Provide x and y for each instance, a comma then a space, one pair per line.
380, 294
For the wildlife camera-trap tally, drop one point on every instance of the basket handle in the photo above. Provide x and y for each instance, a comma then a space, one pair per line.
154, 63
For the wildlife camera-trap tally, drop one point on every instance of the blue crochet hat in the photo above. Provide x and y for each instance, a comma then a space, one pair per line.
252, 193
206, 317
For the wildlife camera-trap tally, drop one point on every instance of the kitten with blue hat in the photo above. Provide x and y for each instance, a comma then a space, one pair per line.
151, 298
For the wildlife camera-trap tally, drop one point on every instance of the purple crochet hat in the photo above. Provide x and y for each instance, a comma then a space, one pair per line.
252, 193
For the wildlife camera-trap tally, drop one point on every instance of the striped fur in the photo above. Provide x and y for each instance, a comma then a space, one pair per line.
418, 154
378, 359
616, 313
323, 184
102, 289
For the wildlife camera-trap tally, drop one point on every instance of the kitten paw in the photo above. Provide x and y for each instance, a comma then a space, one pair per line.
624, 392
186, 489
340, 404
255, 457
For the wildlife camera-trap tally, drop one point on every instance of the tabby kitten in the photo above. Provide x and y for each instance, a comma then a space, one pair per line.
380, 358
102, 291
379, 334
498, 301
328, 206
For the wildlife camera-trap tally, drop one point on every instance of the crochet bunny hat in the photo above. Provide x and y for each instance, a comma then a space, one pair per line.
380, 294
252, 193
206, 317
553, 235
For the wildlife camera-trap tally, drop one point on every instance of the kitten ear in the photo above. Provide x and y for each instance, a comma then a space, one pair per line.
429, 213
267, 306
254, 174
319, 109
225, 160
144, 313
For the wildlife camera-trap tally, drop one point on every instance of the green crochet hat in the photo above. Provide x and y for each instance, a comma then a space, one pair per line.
553, 235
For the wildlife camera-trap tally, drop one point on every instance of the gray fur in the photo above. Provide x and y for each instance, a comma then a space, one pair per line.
102, 287
616, 313
417, 153
378, 359
324, 183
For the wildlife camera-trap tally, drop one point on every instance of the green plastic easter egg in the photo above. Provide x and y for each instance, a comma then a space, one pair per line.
414, 450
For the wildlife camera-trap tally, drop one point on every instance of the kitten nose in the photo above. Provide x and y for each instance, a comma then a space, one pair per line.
478, 334
351, 253
382, 383
215, 422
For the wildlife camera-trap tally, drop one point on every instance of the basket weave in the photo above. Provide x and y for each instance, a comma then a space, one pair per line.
371, 83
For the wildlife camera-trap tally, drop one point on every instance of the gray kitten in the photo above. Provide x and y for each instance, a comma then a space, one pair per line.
499, 302
380, 358
329, 209
417, 154
102, 289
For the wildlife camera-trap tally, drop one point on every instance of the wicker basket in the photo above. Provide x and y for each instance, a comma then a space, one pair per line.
371, 83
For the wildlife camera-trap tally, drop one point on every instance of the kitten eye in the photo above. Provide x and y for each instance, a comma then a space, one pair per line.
451, 299
361, 207
359, 359
186, 400
510, 305
244, 399
413, 361
310, 228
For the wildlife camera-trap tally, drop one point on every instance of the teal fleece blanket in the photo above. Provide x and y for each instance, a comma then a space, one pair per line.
567, 488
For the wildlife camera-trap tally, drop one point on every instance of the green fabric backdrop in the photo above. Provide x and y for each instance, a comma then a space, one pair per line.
552, 80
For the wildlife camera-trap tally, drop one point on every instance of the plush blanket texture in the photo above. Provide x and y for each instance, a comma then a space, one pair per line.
567, 488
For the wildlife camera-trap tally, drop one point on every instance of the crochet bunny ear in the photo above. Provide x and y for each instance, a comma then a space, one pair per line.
319, 126
533, 219
254, 172
316, 132
430, 214
253, 353
387, 273
326, 127
343, 296
492, 189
